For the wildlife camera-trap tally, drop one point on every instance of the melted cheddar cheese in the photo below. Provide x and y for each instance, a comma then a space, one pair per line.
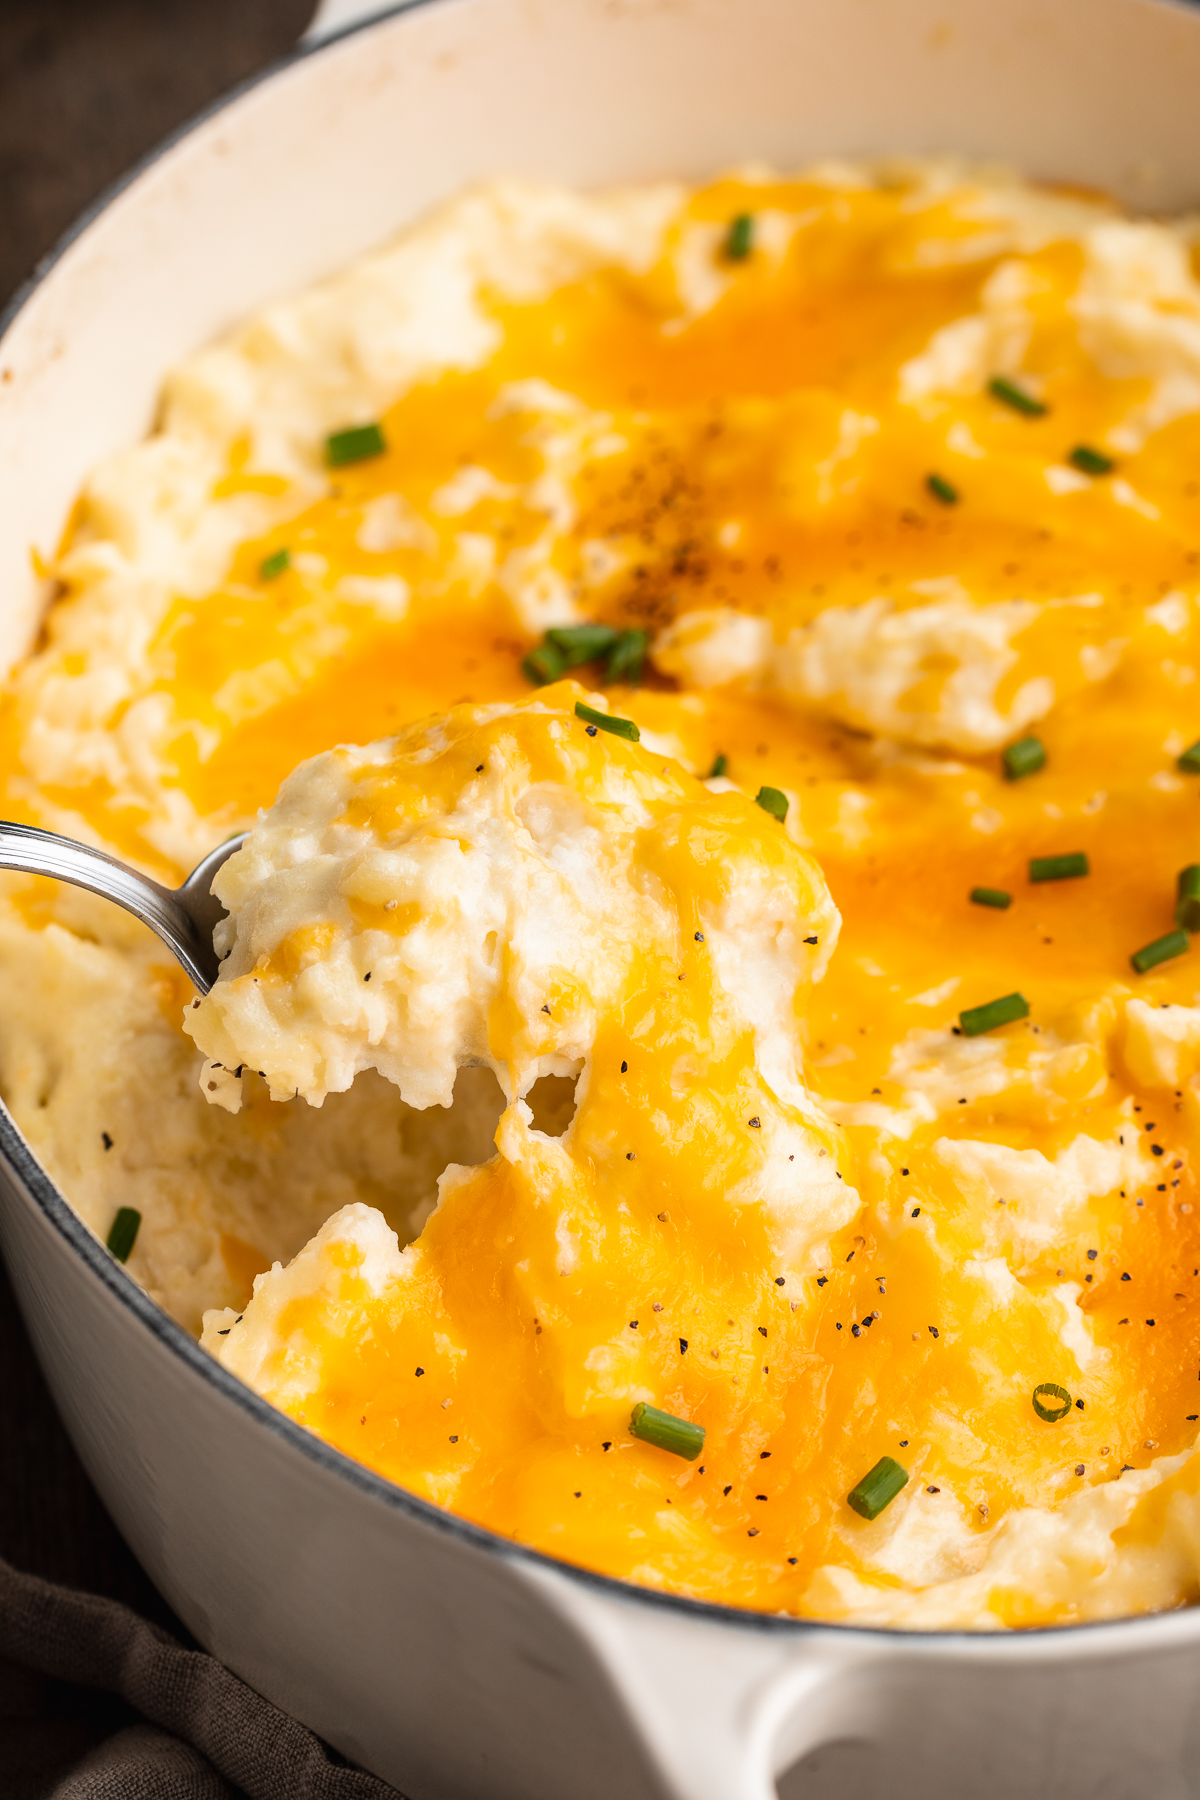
733, 455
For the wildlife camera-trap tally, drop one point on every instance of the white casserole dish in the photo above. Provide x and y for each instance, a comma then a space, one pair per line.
449, 1661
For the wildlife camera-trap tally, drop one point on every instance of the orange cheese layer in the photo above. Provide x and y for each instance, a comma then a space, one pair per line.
477, 1388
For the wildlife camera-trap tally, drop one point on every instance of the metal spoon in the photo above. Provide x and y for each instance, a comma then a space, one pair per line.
184, 918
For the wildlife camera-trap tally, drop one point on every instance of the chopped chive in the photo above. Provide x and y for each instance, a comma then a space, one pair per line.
1091, 462
941, 489
623, 728
667, 1432
978, 1019
1189, 762
1058, 868
122, 1233
626, 657
1025, 757
1162, 950
275, 564
543, 665
720, 764
1017, 397
1051, 1412
581, 643
772, 801
740, 240
356, 444
1187, 902
991, 897
878, 1488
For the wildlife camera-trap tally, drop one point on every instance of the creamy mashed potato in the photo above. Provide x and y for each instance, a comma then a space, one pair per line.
538, 1081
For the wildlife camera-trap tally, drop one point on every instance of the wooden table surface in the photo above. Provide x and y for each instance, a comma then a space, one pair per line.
86, 88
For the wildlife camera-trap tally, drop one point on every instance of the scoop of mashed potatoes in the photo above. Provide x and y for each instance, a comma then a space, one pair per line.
507, 887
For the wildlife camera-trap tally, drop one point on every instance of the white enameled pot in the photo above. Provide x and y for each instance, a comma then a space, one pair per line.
451, 1662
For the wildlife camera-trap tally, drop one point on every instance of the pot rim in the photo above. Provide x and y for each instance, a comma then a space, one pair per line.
1145, 1630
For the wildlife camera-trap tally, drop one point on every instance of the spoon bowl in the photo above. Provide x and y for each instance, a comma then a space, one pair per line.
183, 917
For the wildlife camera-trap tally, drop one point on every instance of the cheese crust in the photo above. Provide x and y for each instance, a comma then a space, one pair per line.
538, 1081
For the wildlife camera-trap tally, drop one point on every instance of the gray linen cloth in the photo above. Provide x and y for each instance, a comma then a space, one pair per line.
195, 1732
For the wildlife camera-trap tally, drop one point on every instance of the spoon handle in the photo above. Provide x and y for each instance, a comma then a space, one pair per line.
38, 852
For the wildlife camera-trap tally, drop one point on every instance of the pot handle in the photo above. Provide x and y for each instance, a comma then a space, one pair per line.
721, 1709
333, 16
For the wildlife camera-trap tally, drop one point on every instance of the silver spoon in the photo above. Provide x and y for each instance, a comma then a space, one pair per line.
184, 917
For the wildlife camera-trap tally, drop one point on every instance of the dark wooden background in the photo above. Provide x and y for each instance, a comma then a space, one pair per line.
86, 88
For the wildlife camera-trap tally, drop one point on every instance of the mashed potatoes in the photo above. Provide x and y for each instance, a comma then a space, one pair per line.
525, 1094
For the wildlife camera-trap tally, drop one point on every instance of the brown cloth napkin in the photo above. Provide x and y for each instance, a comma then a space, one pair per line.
202, 1734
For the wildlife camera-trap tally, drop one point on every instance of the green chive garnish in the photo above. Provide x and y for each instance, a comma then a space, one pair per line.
978, 1019
356, 444
543, 665
679, 1436
1017, 397
719, 766
1058, 1393
772, 801
623, 728
878, 1489
1091, 462
581, 643
1187, 903
1058, 868
1025, 757
991, 897
941, 490
1163, 949
275, 564
740, 241
626, 657
122, 1233
1189, 762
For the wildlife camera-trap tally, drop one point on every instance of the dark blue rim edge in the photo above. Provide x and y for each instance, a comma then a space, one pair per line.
44, 1194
